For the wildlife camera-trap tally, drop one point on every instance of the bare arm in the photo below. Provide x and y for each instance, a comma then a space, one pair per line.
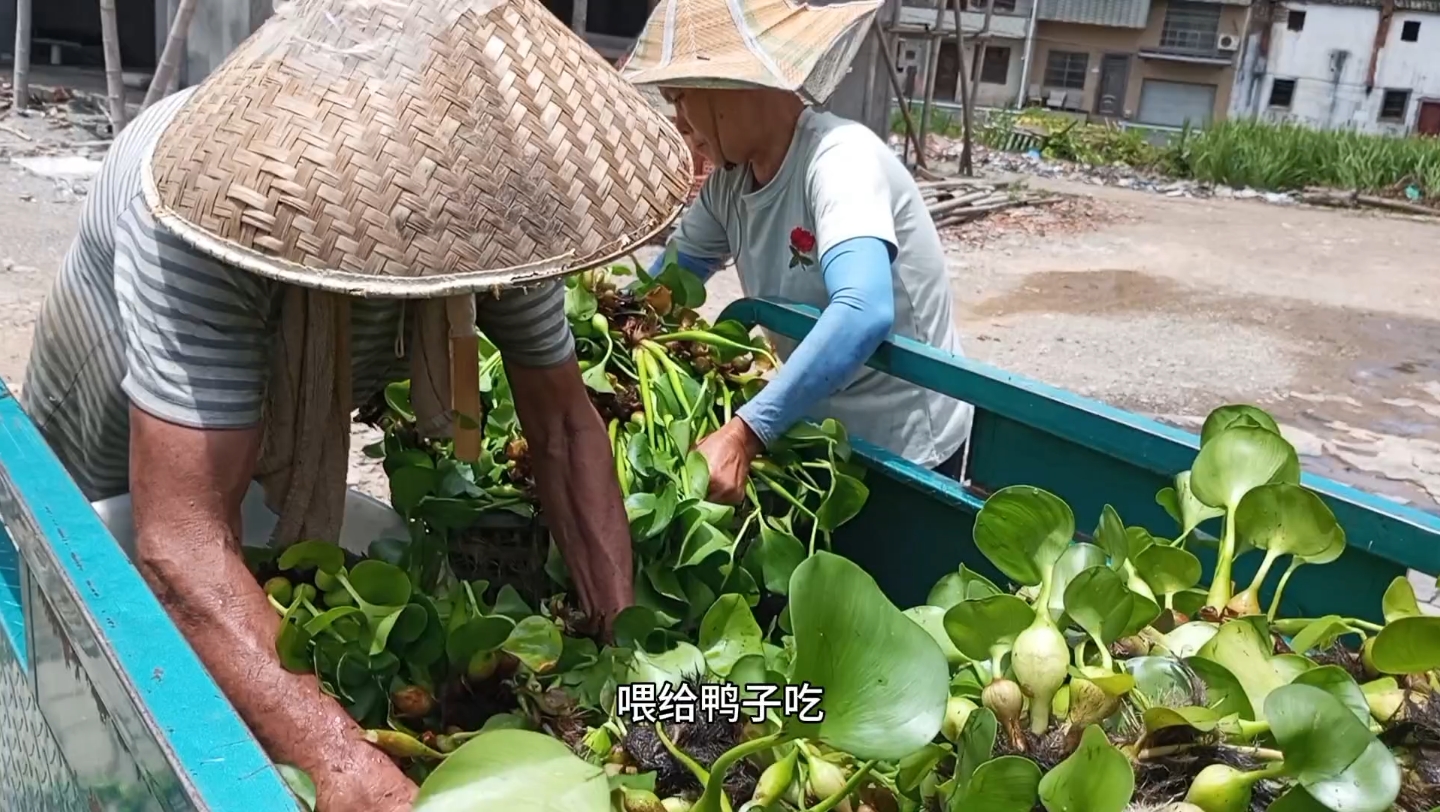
186, 486
575, 474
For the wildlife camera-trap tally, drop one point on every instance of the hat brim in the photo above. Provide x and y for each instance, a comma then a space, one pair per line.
364, 285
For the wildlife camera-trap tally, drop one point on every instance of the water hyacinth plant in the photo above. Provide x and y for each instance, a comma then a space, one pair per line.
1096, 674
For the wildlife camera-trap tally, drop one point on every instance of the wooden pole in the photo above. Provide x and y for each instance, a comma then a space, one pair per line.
114, 77
169, 65
22, 55
464, 375
967, 163
899, 92
932, 55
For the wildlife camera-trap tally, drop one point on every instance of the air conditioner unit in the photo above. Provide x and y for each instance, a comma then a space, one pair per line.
1227, 42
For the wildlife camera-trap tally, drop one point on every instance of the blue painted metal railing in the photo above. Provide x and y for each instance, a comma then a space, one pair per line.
103, 704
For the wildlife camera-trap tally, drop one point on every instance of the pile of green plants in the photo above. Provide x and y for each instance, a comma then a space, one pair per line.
1093, 674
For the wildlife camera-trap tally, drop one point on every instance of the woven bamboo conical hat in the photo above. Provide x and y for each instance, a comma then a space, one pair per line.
416, 149
782, 44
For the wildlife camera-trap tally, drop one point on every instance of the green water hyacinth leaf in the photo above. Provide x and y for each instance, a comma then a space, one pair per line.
1296, 799
843, 503
1168, 569
1099, 603
1410, 645
728, 632
1076, 559
778, 554
1239, 414
1330, 752
876, 707
1023, 530
1223, 690
1095, 778
1194, 717
475, 636
410, 485
536, 642
1187, 639
672, 666
305, 555
1239, 460
932, 620
380, 584
1321, 633
1399, 600
1243, 648
915, 767
1191, 512
960, 586
977, 743
1337, 682
1286, 519
633, 626
1004, 784
514, 769
1110, 535
977, 626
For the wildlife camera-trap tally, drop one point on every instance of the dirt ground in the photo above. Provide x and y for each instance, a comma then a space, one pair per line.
1164, 306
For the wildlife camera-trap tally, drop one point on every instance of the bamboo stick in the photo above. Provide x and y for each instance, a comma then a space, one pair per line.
464, 375
170, 58
114, 72
21, 81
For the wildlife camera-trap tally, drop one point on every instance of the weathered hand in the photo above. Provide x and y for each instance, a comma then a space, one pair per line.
373, 784
728, 452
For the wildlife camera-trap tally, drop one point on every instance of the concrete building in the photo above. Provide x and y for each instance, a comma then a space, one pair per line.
1155, 62
1366, 65
1002, 63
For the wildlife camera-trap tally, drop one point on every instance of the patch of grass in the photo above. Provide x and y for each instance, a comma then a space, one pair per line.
1289, 156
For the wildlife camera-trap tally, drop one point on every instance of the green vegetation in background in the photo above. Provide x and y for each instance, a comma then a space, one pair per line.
1238, 153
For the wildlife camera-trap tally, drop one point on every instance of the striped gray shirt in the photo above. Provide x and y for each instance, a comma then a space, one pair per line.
137, 316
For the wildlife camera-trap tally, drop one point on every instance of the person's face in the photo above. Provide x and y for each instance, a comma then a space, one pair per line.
707, 119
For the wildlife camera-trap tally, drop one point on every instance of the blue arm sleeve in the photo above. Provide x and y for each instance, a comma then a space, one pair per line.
859, 317
700, 266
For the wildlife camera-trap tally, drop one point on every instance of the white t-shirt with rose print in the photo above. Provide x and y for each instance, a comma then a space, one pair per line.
840, 181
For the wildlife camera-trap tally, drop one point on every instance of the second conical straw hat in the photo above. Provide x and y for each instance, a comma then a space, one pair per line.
416, 149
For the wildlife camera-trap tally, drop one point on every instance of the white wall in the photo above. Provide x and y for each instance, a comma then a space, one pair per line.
1331, 98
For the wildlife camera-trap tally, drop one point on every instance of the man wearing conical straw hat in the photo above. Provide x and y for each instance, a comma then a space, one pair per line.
812, 208
337, 207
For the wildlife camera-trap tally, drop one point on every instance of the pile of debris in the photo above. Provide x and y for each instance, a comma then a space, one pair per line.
956, 201
61, 134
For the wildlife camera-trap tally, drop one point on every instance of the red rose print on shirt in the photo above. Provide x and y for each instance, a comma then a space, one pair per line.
802, 243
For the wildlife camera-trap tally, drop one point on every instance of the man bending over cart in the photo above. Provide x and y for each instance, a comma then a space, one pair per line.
310, 224
813, 208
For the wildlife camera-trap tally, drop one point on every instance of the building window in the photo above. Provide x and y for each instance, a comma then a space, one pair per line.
1066, 69
1394, 105
1000, 5
1296, 21
1190, 27
1410, 31
995, 70
1282, 92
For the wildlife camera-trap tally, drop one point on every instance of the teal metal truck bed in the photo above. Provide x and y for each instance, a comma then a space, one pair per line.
105, 707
